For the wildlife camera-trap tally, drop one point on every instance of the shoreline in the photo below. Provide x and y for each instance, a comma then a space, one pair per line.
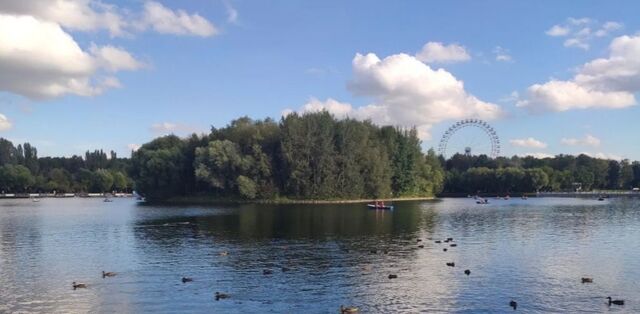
190, 200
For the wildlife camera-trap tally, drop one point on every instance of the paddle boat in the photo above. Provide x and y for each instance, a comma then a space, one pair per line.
380, 205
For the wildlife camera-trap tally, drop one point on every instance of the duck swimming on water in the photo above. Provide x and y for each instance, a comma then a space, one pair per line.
587, 280
108, 274
220, 296
616, 302
348, 309
513, 304
78, 285
186, 279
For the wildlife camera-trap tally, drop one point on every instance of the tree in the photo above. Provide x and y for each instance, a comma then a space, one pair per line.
102, 180
158, 168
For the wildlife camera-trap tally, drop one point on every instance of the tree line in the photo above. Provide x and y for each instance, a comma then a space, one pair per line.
302, 156
308, 156
472, 174
22, 171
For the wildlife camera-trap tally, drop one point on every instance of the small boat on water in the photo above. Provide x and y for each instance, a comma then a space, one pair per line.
380, 206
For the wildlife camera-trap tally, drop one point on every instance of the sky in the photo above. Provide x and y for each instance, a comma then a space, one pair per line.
551, 77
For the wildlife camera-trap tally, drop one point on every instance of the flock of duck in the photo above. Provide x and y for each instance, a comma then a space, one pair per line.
352, 309
513, 304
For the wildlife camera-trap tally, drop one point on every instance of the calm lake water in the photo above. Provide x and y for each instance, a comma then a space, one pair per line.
533, 251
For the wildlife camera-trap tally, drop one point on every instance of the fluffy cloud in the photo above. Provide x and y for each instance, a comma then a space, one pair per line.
406, 92
39, 60
5, 124
528, 142
602, 83
232, 13
502, 54
80, 15
166, 21
114, 59
94, 15
133, 147
588, 140
602, 155
579, 32
172, 128
436, 52
538, 155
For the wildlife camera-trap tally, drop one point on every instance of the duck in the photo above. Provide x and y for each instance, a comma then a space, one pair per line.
513, 304
418, 240
438, 241
186, 279
392, 276
449, 239
108, 274
348, 309
587, 280
452, 264
224, 253
421, 246
78, 285
453, 245
467, 272
219, 296
373, 251
616, 302
444, 249
267, 271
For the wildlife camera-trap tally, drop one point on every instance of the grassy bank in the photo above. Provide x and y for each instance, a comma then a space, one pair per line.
200, 200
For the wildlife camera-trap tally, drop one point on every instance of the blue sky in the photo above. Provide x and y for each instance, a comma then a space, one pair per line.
182, 66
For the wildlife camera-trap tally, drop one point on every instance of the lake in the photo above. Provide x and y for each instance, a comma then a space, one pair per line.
533, 251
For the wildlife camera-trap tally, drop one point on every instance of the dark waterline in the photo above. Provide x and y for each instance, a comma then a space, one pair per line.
534, 251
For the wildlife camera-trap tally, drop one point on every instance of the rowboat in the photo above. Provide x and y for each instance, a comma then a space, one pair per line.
374, 206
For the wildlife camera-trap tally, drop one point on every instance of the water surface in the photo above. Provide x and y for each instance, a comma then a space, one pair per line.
533, 251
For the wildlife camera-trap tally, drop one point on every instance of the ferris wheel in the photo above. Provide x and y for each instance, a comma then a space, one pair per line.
470, 136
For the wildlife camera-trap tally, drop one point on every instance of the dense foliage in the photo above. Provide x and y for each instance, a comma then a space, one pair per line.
310, 156
471, 174
22, 171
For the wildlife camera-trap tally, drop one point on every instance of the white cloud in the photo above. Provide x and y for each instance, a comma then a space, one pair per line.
588, 140
5, 123
407, 93
601, 83
436, 52
166, 21
94, 15
538, 155
580, 32
528, 142
502, 54
232, 13
133, 147
558, 30
172, 128
79, 15
602, 155
115, 59
39, 60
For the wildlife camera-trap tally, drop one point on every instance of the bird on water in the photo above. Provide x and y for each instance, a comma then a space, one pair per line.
186, 279
108, 274
513, 304
78, 285
616, 302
